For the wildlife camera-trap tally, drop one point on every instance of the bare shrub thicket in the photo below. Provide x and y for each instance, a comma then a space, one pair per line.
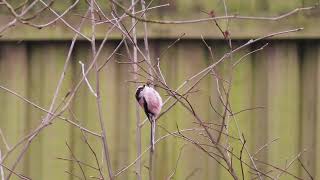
123, 18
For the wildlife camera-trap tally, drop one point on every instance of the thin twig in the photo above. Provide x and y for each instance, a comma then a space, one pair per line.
149, 147
86, 80
249, 53
78, 161
176, 166
290, 163
241, 164
11, 171
94, 154
137, 12
4, 140
74, 157
265, 145
305, 169
76, 176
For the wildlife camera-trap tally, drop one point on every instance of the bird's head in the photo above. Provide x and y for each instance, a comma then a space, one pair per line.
139, 92
149, 84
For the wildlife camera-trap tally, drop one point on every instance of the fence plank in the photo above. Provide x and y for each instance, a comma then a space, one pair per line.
46, 61
190, 61
52, 57
14, 73
283, 104
85, 113
260, 99
240, 99
33, 165
125, 120
308, 106
170, 146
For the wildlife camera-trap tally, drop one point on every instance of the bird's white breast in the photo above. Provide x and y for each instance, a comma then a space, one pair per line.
153, 100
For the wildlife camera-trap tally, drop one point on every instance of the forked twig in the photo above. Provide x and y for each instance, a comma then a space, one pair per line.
86, 80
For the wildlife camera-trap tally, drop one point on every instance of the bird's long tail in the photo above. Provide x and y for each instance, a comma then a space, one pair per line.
153, 133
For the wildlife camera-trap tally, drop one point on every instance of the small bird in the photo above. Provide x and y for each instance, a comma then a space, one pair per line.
150, 100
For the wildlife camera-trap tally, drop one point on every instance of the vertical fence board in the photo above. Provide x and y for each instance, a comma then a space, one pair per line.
260, 99
308, 106
55, 136
13, 70
283, 104
110, 108
162, 165
33, 165
240, 91
212, 166
109, 94
85, 113
219, 49
170, 145
123, 120
190, 61
240, 99
80, 111
180, 114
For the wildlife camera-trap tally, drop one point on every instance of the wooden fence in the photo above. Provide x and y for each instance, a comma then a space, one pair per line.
283, 78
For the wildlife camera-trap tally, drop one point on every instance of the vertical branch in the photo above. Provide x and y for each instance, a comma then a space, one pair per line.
135, 78
151, 157
241, 160
146, 43
98, 97
153, 123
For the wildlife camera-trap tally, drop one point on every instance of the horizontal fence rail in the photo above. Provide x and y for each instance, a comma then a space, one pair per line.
274, 16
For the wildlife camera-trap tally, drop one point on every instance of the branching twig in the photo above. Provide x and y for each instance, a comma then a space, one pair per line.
98, 96
305, 169
86, 80
74, 157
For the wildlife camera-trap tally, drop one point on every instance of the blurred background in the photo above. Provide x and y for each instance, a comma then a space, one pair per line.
283, 79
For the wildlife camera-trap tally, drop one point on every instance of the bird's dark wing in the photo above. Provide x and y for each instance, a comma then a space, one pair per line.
146, 110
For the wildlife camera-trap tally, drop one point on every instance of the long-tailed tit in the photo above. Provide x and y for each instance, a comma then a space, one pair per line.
150, 100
